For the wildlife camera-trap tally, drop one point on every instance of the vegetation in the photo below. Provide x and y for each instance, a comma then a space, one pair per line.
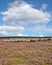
26, 53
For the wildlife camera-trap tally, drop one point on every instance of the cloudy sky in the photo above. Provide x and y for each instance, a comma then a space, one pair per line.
25, 17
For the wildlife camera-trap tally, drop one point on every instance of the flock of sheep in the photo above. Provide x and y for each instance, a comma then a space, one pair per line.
24, 39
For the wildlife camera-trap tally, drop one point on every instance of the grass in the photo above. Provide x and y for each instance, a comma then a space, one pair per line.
26, 53
15, 61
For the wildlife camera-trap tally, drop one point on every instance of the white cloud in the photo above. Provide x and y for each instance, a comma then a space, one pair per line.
41, 35
3, 33
13, 30
21, 35
42, 29
44, 7
22, 12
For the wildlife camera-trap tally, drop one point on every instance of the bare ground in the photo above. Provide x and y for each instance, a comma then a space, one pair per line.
26, 53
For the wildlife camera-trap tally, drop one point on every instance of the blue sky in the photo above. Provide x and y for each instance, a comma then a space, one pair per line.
26, 18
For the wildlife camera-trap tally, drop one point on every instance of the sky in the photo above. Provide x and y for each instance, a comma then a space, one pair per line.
26, 18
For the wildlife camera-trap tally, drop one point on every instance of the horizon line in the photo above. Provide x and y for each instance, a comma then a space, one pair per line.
25, 36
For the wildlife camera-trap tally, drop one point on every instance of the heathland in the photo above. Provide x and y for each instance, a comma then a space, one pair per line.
26, 53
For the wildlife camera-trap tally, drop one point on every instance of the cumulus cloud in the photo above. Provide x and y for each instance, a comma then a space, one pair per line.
21, 35
41, 35
44, 7
3, 33
12, 28
4, 30
22, 12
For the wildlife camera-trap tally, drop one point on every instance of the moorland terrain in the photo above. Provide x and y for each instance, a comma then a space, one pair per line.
26, 53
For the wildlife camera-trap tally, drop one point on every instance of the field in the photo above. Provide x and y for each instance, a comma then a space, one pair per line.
26, 53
